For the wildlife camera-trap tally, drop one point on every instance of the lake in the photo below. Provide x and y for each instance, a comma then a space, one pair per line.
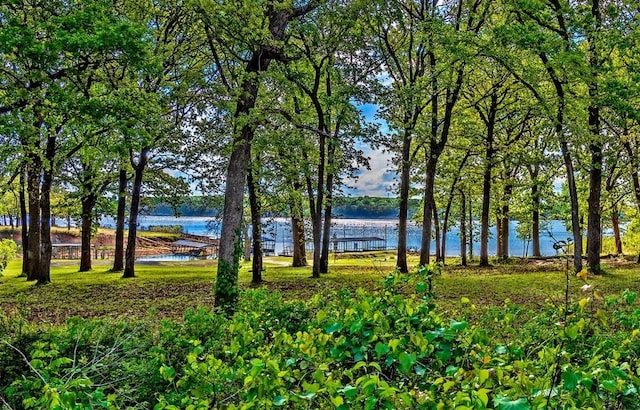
280, 230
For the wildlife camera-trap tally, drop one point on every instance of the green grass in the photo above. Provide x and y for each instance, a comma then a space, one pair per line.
167, 289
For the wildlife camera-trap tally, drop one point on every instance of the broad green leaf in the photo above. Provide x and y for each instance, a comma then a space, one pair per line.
570, 380
381, 349
334, 327
406, 360
503, 403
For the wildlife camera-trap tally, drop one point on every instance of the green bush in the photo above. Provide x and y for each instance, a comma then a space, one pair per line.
8, 251
340, 349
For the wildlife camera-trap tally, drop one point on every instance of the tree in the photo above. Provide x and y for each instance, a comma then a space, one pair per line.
167, 98
329, 76
251, 34
397, 28
47, 55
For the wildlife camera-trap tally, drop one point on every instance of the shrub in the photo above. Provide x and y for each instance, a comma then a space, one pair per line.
8, 251
341, 349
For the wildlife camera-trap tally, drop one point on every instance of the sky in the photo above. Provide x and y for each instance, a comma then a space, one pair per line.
379, 180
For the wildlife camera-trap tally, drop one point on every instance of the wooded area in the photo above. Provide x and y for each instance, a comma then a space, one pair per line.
493, 108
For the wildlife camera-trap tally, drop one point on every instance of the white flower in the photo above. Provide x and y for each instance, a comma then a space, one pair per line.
586, 288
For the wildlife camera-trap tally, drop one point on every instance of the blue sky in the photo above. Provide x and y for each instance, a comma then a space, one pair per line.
379, 180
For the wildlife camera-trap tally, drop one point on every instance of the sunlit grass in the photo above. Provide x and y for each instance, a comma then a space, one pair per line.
167, 289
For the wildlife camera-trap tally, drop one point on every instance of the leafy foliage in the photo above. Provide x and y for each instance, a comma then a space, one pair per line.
343, 349
8, 251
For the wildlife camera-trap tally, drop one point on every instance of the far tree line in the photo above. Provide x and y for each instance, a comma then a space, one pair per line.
488, 104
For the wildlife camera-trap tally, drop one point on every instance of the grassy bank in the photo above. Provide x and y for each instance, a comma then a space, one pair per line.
361, 336
167, 289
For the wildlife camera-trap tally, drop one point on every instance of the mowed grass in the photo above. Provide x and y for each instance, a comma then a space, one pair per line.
165, 290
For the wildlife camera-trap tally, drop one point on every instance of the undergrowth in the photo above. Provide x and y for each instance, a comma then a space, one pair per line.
342, 348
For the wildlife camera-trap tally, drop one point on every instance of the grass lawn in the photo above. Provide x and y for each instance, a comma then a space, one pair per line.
497, 337
167, 289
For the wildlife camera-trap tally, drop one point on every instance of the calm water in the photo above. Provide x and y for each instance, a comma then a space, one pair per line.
280, 230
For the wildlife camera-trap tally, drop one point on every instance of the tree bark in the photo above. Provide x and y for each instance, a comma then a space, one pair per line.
535, 219
44, 271
88, 203
594, 228
297, 230
134, 209
403, 210
33, 189
436, 226
504, 225
118, 259
486, 199
615, 222
328, 207
23, 224
470, 227
463, 230
564, 148
428, 209
256, 228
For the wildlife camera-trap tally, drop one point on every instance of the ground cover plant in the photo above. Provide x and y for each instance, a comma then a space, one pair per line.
363, 336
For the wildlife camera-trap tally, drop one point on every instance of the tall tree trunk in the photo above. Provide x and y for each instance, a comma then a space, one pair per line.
535, 219
256, 227
319, 201
428, 209
226, 289
88, 203
326, 232
33, 189
326, 236
436, 225
470, 226
484, 215
44, 272
508, 189
490, 122
564, 147
247, 242
118, 259
498, 236
23, 224
403, 211
615, 222
594, 228
463, 230
297, 230
134, 209
447, 211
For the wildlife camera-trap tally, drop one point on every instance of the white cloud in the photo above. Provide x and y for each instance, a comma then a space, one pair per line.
378, 180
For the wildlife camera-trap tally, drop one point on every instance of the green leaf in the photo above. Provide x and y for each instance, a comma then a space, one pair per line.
451, 370
570, 380
610, 385
279, 401
334, 327
572, 332
459, 326
350, 392
381, 349
503, 403
406, 360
